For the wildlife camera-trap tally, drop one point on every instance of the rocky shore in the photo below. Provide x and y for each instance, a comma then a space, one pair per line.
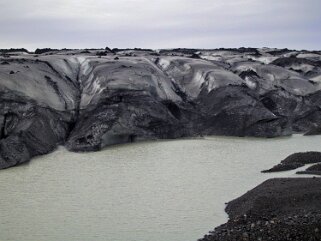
313, 170
278, 209
297, 160
88, 99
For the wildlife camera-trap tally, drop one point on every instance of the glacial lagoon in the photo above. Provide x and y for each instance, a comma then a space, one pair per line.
170, 190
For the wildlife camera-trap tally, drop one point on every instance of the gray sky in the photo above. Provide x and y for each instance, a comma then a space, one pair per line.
160, 23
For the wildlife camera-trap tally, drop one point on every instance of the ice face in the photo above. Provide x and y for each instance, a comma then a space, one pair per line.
88, 99
194, 75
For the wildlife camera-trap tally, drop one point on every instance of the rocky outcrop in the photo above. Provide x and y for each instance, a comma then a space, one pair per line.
88, 99
313, 170
295, 161
278, 209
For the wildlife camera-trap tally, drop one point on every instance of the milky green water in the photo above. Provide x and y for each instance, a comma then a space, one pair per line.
149, 191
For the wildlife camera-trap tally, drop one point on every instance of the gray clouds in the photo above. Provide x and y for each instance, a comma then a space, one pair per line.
160, 24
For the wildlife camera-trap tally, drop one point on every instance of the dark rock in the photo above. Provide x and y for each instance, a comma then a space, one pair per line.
313, 170
195, 56
295, 161
284, 167
289, 61
280, 209
102, 53
85, 52
12, 50
44, 50
279, 51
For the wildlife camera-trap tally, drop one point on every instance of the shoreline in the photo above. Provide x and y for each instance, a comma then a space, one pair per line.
278, 209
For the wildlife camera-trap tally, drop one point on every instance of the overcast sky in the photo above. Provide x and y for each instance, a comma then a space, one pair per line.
160, 23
